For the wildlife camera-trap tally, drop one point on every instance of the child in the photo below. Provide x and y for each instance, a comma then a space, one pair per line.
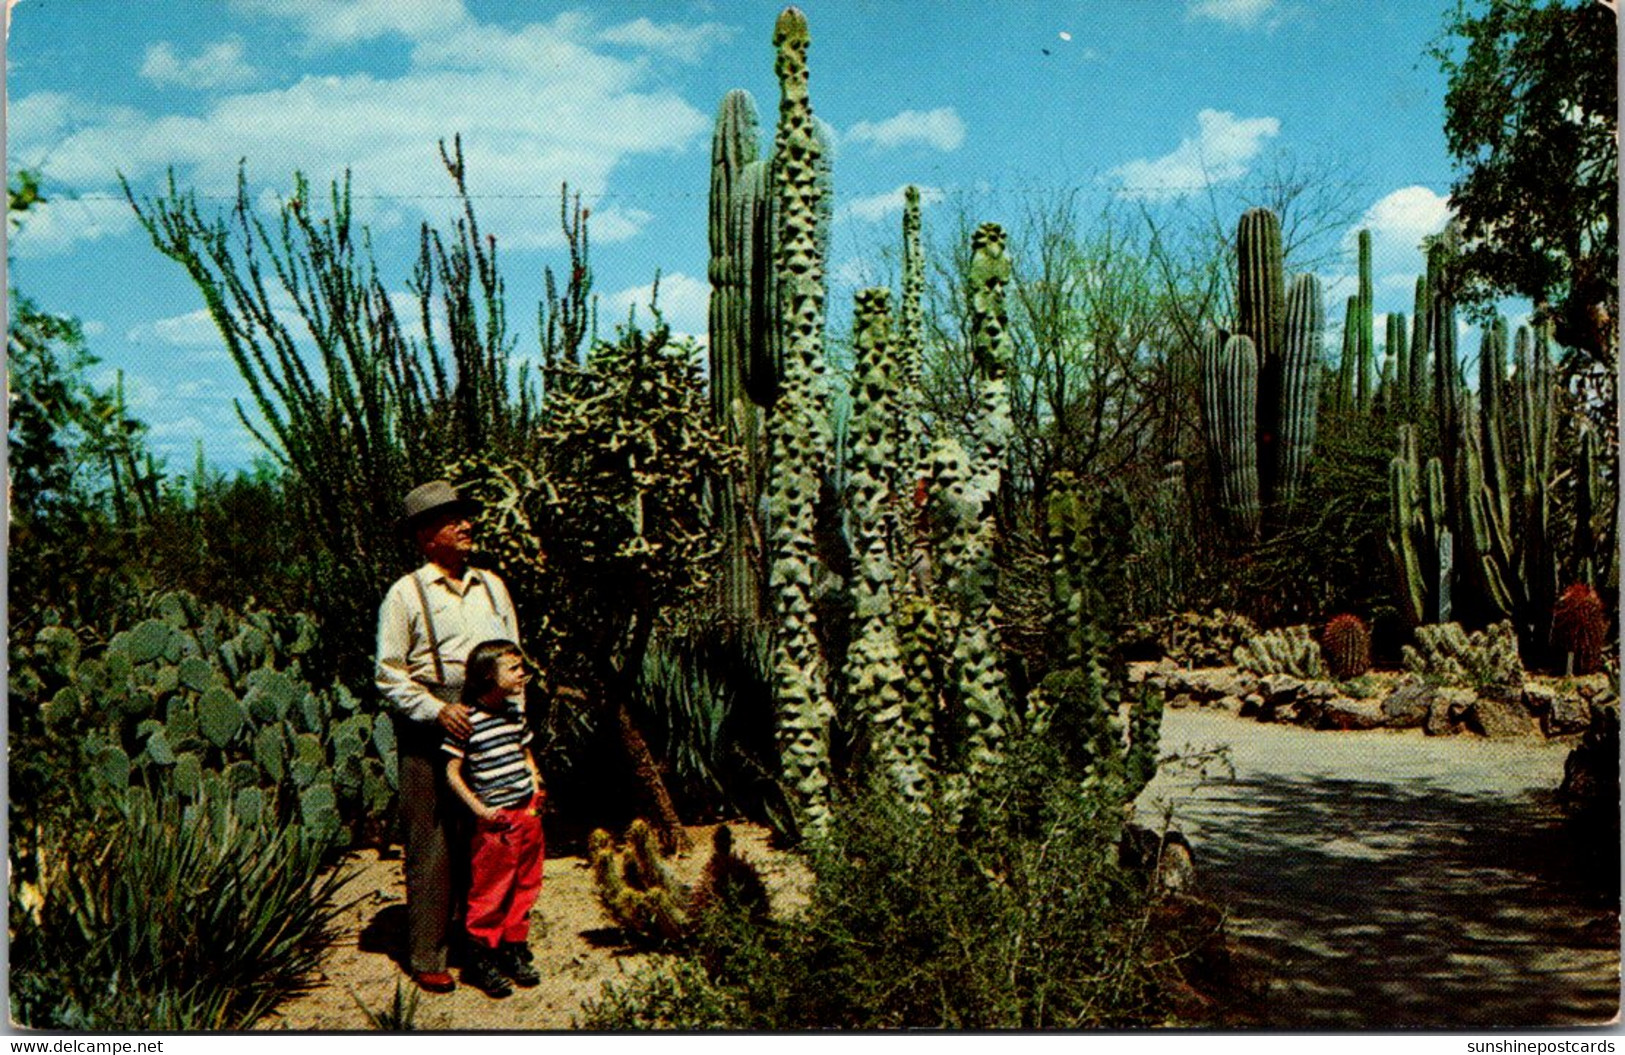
492, 770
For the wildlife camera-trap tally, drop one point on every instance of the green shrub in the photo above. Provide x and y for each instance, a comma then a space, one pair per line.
1021, 919
164, 916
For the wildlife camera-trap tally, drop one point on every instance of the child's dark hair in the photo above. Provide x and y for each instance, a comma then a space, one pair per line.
480, 672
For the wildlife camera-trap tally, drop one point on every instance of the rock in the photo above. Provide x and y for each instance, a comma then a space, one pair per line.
1407, 706
1446, 710
1252, 706
1178, 701
1321, 690
1498, 719
1233, 704
1279, 690
1343, 713
1563, 714
1164, 859
1590, 788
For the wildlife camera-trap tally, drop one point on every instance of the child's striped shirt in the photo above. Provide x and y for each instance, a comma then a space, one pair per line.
494, 757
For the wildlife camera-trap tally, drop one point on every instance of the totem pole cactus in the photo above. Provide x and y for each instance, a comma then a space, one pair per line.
801, 440
1396, 366
913, 441
977, 659
874, 666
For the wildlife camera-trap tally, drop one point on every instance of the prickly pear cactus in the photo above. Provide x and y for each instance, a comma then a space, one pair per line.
198, 703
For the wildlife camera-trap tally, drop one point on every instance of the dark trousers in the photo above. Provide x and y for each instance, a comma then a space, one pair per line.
436, 858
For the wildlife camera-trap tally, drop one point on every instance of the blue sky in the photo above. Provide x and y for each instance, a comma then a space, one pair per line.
998, 104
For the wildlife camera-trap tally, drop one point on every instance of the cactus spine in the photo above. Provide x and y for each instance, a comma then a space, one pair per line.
800, 433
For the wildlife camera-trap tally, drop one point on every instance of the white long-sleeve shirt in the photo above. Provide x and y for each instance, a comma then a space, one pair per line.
481, 611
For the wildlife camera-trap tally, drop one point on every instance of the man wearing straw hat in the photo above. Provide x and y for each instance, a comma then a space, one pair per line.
428, 623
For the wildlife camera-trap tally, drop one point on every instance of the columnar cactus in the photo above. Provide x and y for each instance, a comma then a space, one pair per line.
1364, 321
801, 442
734, 147
1416, 378
1259, 386
1485, 659
1230, 396
874, 668
977, 654
1300, 383
1261, 316
913, 441
1396, 368
1419, 536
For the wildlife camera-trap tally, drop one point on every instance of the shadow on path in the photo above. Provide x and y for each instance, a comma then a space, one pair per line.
1378, 904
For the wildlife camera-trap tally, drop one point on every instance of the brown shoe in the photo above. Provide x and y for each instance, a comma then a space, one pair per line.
434, 981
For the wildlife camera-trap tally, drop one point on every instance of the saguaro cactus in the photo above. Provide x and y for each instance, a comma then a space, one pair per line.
1259, 408
1300, 383
1230, 396
734, 148
800, 434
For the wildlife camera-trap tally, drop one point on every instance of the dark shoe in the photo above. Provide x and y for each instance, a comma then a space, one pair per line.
484, 974
434, 981
516, 961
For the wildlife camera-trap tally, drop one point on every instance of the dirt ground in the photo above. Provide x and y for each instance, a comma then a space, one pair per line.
577, 947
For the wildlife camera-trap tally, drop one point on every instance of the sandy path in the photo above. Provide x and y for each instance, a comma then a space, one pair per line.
576, 949
1385, 879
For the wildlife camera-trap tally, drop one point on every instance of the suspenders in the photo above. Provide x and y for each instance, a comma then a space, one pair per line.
428, 623
428, 626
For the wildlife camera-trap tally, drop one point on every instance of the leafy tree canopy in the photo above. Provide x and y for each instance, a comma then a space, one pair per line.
1530, 119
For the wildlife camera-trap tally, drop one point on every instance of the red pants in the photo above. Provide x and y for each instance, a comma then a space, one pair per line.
507, 876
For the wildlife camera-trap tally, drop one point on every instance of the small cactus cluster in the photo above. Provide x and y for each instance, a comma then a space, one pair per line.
212, 707
1579, 626
639, 891
636, 886
1290, 650
1192, 639
1483, 660
1346, 643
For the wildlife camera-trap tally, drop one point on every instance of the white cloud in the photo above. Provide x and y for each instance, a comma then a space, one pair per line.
684, 304
220, 65
336, 23
195, 329
684, 43
58, 224
1407, 216
1244, 13
877, 207
1223, 148
575, 115
939, 129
